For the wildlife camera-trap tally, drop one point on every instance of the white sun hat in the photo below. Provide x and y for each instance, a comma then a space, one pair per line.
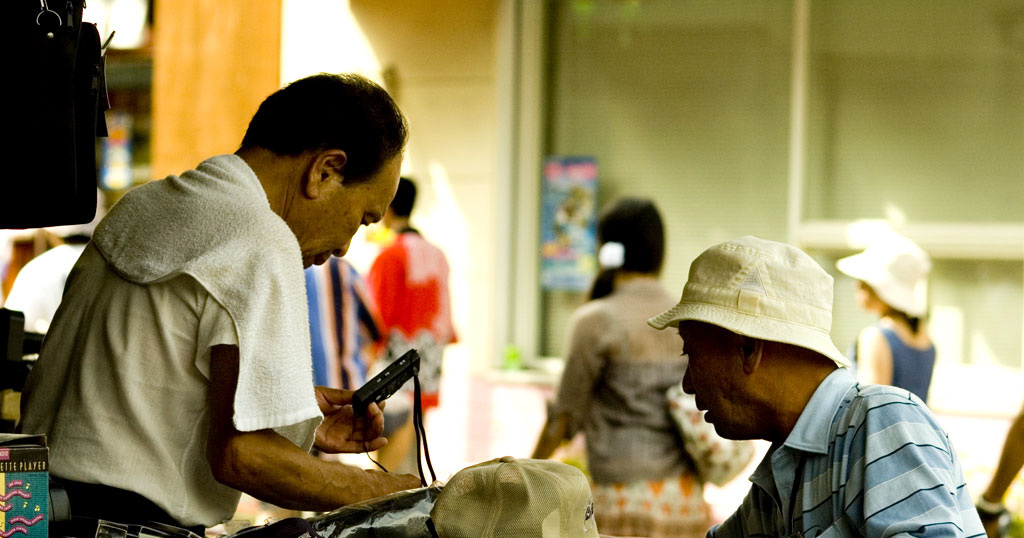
761, 289
897, 269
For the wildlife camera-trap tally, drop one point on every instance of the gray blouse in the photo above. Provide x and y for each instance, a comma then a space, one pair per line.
613, 387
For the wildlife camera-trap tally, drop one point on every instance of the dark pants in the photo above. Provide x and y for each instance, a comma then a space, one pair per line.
117, 505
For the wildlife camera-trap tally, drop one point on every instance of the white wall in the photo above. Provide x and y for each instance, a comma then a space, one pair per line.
438, 60
682, 103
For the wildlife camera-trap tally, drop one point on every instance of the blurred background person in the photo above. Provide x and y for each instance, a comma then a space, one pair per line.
646, 480
892, 277
39, 286
993, 512
344, 325
409, 283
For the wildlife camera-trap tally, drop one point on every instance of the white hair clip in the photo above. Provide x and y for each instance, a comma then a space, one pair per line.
612, 255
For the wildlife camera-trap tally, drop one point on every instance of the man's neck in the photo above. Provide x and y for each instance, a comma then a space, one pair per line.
791, 394
276, 174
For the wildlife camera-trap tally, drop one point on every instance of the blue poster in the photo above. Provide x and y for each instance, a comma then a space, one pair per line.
569, 223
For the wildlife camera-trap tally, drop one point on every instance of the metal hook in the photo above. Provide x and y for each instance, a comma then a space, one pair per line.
46, 13
110, 38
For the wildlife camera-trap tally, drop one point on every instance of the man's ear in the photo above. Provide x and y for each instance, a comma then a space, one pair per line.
326, 165
753, 352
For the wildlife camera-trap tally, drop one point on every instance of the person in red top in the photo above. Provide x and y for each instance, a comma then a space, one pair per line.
409, 283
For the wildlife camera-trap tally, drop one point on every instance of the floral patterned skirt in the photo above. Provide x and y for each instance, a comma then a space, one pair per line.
669, 508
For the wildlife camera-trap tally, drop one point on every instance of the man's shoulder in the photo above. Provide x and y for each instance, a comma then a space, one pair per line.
878, 412
877, 396
897, 468
882, 400
869, 390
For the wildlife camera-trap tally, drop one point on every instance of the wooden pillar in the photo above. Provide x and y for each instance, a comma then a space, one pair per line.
213, 63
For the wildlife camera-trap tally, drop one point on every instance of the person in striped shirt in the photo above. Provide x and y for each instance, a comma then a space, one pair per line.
846, 459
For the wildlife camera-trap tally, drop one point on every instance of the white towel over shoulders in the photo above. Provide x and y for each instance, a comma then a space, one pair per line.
215, 224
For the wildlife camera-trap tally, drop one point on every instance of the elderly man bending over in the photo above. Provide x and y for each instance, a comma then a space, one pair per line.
177, 372
846, 459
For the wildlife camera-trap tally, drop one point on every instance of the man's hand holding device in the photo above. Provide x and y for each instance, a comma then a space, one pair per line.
343, 429
353, 421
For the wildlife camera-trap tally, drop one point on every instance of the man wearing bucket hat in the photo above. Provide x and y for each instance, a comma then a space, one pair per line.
846, 459
892, 276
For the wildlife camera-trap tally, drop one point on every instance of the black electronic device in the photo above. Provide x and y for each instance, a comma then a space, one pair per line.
387, 382
17, 355
15, 341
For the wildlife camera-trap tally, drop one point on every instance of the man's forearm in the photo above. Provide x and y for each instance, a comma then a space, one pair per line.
269, 467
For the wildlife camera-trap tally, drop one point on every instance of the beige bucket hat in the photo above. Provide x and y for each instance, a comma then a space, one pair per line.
897, 269
510, 497
762, 289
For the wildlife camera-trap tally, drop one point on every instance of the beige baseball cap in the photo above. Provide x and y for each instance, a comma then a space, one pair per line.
509, 497
762, 289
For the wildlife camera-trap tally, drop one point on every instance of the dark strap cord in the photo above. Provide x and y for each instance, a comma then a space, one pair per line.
421, 438
366, 450
431, 529
421, 435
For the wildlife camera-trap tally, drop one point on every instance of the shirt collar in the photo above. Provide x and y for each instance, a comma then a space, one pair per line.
811, 432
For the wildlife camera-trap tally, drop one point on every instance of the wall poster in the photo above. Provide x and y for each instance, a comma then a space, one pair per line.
568, 223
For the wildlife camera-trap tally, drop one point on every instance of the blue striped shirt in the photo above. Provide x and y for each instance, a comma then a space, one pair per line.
873, 462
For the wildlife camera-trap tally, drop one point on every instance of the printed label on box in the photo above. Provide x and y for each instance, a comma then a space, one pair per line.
24, 492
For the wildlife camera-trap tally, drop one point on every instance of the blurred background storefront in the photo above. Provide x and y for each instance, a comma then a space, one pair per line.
816, 122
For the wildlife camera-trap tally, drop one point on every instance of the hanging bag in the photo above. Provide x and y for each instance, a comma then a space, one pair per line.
56, 96
717, 460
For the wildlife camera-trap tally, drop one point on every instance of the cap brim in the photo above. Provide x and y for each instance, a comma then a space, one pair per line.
761, 327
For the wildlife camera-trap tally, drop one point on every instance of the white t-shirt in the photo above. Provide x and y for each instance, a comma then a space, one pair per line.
121, 386
39, 285
132, 410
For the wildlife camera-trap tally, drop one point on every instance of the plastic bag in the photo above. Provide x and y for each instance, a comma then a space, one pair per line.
400, 515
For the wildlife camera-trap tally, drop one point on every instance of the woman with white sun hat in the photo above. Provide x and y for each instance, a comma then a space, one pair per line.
892, 277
